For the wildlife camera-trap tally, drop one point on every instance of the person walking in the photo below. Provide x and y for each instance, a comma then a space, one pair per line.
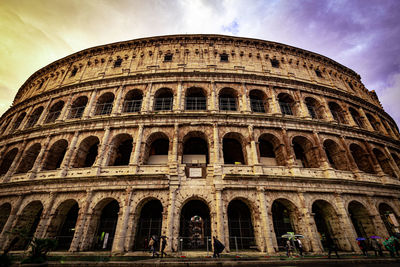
363, 246
288, 247
299, 246
331, 247
218, 247
376, 247
163, 245
153, 246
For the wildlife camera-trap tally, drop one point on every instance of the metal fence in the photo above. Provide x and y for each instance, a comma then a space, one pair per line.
163, 103
104, 109
196, 103
227, 103
52, 116
257, 105
131, 106
76, 112
286, 109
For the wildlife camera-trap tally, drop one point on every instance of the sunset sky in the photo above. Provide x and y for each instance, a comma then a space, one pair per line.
363, 35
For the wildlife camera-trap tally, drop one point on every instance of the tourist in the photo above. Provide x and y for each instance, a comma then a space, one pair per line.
288, 247
363, 246
331, 246
376, 246
163, 245
218, 247
299, 246
153, 246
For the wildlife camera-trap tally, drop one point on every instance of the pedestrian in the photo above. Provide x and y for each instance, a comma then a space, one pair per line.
331, 247
363, 246
153, 246
299, 246
163, 245
376, 247
218, 247
288, 247
389, 246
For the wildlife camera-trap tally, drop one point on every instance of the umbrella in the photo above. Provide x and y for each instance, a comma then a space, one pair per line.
291, 235
360, 238
375, 237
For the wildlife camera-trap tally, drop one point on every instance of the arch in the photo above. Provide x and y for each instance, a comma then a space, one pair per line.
227, 99
336, 156
17, 123
56, 155
195, 148
384, 162
389, 218
103, 224
196, 99
361, 219
195, 225
5, 211
157, 148
356, 117
87, 152
337, 112
149, 222
163, 99
315, 109
305, 153
62, 225
328, 224
396, 159
104, 104
78, 107
272, 152
54, 112
233, 150
241, 231
258, 101
34, 117
133, 101
29, 158
361, 158
373, 122
287, 104
27, 222
8, 159
120, 150
285, 219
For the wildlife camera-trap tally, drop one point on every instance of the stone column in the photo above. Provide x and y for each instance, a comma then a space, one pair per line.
214, 104
25, 120
366, 121
147, 105
245, 99
11, 124
272, 102
65, 164
328, 112
219, 208
134, 160
11, 221
217, 149
101, 156
122, 225
302, 106
254, 154
380, 227
16, 162
322, 154
82, 220
289, 149
392, 162
350, 118
65, 110
178, 102
39, 159
353, 165
172, 240
44, 113
373, 161
89, 110
175, 143
116, 110
267, 232
46, 218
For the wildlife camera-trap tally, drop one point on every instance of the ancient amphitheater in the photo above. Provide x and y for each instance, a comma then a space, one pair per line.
193, 136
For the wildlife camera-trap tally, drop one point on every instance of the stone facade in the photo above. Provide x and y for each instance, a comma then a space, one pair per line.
105, 147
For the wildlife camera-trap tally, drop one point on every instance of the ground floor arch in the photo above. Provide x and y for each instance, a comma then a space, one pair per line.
361, 220
389, 218
148, 224
195, 226
5, 211
241, 231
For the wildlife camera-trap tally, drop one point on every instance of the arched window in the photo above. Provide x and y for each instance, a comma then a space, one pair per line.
336, 156
34, 117
257, 101
78, 107
133, 101
287, 104
195, 99
195, 150
156, 151
163, 99
384, 162
17, 123
29, 158
8, 160
356, 117
373, 122
396, 159
228, 99
337, 113
56, 155
87, 153
54, 112
271, 151
315, 109
232, 149
121, 149
304, 152
361, 158
105, 104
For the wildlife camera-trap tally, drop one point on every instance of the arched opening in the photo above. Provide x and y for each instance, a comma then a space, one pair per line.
163, 99
328, 224
29, 158
5, 211
389, 218
241, 232
104, 220
27, 223
78, 107
361, 220
361, 158
396, 159
228, 99
56, 155
149, 223
337, 113
374, 123
271, 151
157, 147
285, 219
336, 156
305, 154
34, 117
8, 160
17, 123
54, 112
120, 151
87, 152
195, 99
232, 149
356, 117
258, 101
384, 162
195, 226
133, 101
104, 104
287, 104
195, 150
62, 226
315, 109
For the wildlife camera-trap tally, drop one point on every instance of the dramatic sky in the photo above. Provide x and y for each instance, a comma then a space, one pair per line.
363, 35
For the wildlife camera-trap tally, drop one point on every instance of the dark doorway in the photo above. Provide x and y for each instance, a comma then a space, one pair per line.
241, 233
67, 229
281, 216
107, 224
233, 153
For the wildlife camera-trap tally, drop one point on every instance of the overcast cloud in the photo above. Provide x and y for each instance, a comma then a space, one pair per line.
363, 35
